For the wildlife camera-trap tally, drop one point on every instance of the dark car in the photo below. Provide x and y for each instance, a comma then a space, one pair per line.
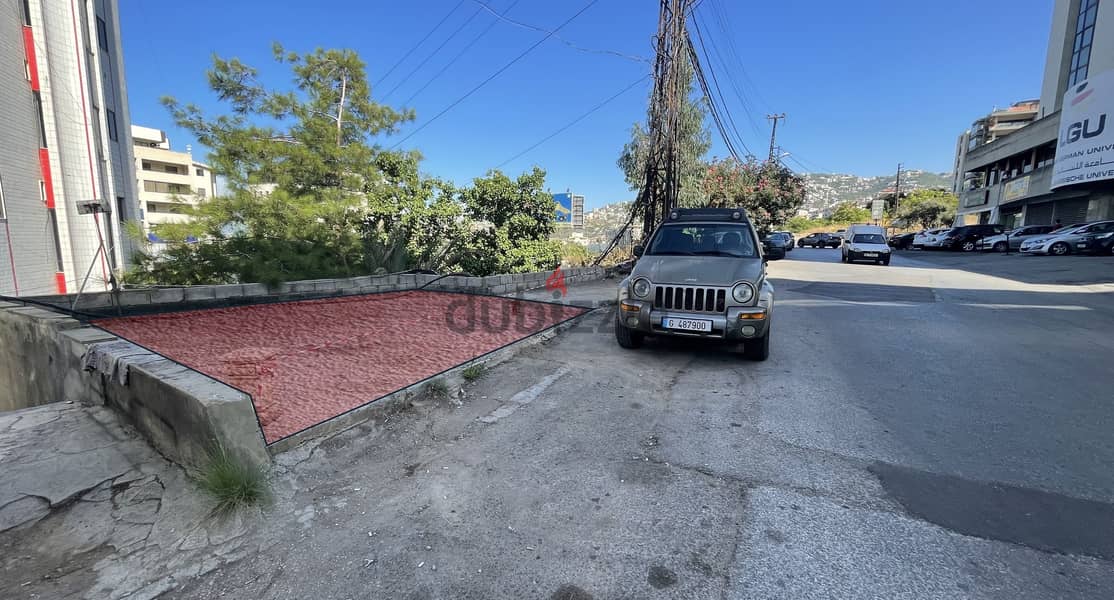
820, 240
967, 237
783, 238
1096, 239
901, 241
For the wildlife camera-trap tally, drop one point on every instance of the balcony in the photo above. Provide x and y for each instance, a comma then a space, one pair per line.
1019, 141
1033, 184
158, 218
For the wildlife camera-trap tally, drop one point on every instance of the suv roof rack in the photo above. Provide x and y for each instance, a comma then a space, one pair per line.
707, 214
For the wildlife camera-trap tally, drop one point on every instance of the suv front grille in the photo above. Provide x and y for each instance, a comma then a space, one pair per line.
683, 297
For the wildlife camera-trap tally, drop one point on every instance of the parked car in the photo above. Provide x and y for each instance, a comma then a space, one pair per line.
1066, 241
1097, 243
929, 237
966, 238
789, 234
997, 243
784, 238
901, 241
701, 275
866, 242
820, 240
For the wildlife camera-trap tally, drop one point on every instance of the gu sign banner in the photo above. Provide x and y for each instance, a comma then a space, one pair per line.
1085, 150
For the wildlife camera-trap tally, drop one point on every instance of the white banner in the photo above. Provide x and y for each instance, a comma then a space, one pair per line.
1085, 150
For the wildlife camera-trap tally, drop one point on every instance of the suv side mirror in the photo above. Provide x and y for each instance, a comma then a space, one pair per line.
638, 250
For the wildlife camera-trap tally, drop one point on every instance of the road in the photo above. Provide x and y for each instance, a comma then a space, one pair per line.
920, 431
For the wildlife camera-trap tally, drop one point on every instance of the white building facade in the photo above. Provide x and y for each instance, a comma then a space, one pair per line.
66, 162
168, 181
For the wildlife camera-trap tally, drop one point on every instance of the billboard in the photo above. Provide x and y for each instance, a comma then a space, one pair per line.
877, 209
1085, 150
1018, 188
562, 206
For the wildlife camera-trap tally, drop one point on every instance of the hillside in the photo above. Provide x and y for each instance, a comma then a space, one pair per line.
825, 190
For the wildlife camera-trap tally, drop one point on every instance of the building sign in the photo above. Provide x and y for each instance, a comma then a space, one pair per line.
1018, 188
562, 204
1085, 150
877, 209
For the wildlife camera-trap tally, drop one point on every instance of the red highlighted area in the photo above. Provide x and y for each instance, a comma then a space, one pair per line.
308, 361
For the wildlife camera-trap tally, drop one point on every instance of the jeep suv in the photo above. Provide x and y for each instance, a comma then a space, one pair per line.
701, 275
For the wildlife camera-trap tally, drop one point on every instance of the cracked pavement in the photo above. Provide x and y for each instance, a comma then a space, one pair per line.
919, 432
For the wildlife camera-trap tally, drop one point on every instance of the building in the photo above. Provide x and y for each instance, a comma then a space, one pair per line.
168, 181
1008, 172
569, 210
991, 128
66, 166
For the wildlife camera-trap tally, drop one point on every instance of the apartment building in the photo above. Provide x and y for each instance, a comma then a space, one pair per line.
66, 166
1013, 175
168, 181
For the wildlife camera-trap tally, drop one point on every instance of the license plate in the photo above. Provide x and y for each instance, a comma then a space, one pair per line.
870, 254
686, 324
1081, 245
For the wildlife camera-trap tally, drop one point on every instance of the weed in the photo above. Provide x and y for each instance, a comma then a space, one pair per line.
437, 389
473, 372
233, 483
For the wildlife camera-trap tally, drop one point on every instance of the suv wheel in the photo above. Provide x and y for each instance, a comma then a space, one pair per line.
627, 337
999, 247
968, 246
758, 349
1059, 249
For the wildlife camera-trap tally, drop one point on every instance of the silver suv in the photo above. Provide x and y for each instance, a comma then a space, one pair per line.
703, 275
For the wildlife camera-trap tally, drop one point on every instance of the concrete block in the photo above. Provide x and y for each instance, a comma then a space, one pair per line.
232, 290
409, 281
302, 286
346, 283
325, 285
167, 296
200, 292
255, 289
133, 298
88, 335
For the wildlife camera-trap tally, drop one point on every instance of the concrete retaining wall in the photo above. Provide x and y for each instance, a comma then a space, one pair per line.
139, 301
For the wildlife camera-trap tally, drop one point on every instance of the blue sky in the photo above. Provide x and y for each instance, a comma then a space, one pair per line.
865, 84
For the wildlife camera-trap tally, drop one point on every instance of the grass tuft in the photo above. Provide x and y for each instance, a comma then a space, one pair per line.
473, 372
437, 389
233, 483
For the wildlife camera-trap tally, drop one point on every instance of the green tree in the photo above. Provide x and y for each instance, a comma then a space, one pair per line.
849, 212
513, 222
927, 208
769, 191
313, 147
695, 139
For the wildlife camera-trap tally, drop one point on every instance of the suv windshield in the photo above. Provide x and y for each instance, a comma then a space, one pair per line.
704, 240
868, 238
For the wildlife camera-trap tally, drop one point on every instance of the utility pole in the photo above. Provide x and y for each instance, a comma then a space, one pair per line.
897, 189
773, 133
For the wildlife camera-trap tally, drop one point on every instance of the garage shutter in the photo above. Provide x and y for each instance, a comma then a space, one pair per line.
1038, 214
1071, 211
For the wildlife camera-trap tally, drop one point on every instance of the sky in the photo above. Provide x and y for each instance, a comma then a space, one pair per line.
864, 84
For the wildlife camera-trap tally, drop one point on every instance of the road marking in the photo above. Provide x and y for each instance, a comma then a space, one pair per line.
524, 397
1070, 307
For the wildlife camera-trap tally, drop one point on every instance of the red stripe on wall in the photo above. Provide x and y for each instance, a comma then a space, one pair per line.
32, 63
60, 282
44, 166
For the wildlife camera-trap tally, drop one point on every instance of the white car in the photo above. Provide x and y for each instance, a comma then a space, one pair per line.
1043, 244
997, 243
930, 237
867, 243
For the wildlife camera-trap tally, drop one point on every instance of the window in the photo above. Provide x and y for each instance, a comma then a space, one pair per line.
161, 187
42, 121
26, 12
102, 34
201, 192
707, 240
1081, 47
171, 169
42, 191
201, 172
3, 208
111, 117
146, 166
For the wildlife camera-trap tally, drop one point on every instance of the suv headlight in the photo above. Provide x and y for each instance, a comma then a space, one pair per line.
641, 287
742, 293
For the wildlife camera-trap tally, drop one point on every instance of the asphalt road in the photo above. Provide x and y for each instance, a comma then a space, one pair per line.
920, 431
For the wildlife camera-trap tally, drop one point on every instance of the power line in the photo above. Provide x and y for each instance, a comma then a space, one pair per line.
420, 42
742, 96
715, 82
723, 21
458, 56
495, 74
576, 120
432, 54
502, 17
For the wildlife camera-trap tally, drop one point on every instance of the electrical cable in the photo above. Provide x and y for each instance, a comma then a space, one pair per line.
420, 42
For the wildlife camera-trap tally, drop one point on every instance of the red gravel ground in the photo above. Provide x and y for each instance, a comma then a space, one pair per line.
309, 361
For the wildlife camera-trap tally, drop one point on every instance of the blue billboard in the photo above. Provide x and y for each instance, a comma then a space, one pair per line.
562, 205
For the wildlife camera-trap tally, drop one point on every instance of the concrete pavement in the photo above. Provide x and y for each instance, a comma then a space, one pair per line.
920, 431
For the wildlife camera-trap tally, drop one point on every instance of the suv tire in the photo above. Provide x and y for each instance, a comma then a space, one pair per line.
626, 337
757, 349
